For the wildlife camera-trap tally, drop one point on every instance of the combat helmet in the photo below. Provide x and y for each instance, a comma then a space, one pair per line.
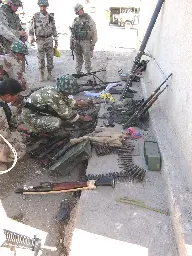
67, 83
19, 47
17, 3
43, 3
77, 8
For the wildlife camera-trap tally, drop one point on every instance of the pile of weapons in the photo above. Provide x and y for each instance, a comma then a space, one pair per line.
50, 150
127, 170
142, 110
135, 112
121, 114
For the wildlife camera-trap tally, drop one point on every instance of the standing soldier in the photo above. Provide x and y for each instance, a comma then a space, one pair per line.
10, 20
43, 27
83, 38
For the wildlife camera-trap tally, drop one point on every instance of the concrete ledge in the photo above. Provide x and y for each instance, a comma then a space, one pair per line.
177, 176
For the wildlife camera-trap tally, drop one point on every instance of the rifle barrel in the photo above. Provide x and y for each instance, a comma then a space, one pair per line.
140, 109
152, 101
153, 94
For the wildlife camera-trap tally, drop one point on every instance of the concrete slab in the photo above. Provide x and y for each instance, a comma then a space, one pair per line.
105, 226
178, 179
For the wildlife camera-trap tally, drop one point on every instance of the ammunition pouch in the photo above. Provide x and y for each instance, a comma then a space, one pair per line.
81, 35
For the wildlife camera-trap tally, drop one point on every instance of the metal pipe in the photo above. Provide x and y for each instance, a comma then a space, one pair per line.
142, 48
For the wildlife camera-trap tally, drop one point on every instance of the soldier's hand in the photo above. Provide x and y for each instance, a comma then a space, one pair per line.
32, 42
87, 118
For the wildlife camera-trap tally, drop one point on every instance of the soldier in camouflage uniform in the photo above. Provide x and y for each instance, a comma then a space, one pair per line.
11, 21
9, 91
83, 38
49, 108
43, 27
8, 35
11, 64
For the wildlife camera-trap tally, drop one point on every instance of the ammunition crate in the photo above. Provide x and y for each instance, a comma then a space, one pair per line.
152, 155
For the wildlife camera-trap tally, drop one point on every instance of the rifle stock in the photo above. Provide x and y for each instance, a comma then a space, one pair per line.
53, 188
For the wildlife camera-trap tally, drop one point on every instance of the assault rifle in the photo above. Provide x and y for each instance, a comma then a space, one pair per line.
53, 188
87, 74
146, 105
72, 42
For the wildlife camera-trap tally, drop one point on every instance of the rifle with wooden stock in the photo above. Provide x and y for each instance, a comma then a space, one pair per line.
147, 104
54, 188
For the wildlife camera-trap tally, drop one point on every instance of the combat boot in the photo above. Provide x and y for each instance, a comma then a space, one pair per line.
50, 77
41, 78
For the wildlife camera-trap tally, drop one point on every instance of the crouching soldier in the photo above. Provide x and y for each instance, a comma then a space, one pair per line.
50, 108
9, 91
11, 64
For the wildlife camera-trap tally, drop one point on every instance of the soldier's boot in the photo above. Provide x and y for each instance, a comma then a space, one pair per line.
41, 78
50, 77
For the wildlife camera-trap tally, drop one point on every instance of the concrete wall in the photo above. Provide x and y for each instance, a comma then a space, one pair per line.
170, 44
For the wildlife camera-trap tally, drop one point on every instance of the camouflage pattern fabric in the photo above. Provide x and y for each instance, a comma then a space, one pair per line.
43, 28
13, 137
45, 47
83, 37
19, 47
15, 2
11, 18
13, 68
67, 83
9, 29
43, 3
83, 53
51, 98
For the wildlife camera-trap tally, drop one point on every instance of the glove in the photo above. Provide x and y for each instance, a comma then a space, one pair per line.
32, 42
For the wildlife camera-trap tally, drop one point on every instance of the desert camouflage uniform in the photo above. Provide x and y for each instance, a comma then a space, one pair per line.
44, 29
13, 68
12, 23
13, 137
84, 35
50, 98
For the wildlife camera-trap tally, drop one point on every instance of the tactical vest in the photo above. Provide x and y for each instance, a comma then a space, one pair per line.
37, 19
81, 28
7, 111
